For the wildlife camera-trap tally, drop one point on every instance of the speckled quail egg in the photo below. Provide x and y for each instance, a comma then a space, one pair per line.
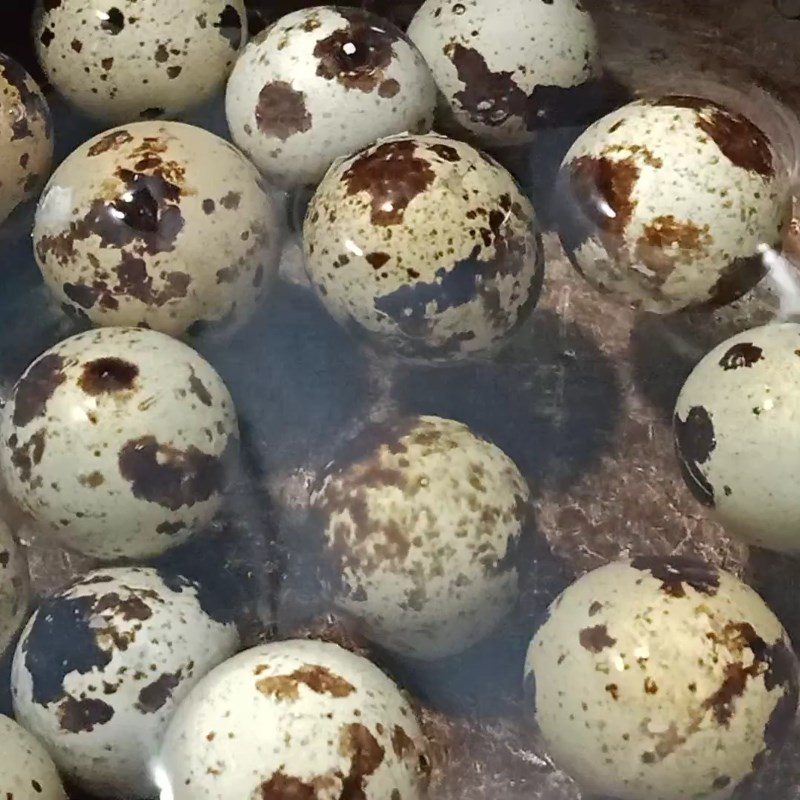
295, 719
667, 203
421, 521
117, 441
321, 84
26, 141
158, 224
661, 678
14, 588
124, 60
28, 772
505, 70
737, 436
426, 245
102, 665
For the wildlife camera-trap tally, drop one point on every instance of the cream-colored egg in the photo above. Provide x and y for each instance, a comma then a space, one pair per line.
425, 245
668, 203
662, 678
737, 435
117, 441
14, 587
127, 60
28, 772
421, 521
321, 84
160, 224
26, 140
101, 667
504, 70
295, 719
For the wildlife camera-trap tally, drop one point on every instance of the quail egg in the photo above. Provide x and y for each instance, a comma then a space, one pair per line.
661, 678
14, 588
668, 202
157, 224
102, 665
505, 70
426, 245
421, 521
26, 151
295, 719
125, 60
323, 83
28, 772
117, 441
737, 435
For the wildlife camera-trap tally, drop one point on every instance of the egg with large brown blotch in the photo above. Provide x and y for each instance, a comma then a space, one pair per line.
669, 203
158, 224
26, 137
299, 719
14, 586
128, 60
661, 677
28, 772
101, 667
426, 246
323, 83
737, 435
118, 441
421, 520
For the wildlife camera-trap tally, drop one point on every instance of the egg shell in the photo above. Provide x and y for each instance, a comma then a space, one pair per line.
26, 135
426, 245
161, 224
28, 772
737, 435
295, 719
662, 678
323, 83
102, 665
421, 521
14, 588
126, 60
117, 441
667, 202
505, 70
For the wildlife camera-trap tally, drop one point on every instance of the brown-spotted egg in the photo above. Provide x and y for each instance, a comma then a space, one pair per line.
26, 141
295, 719
662, 678
28, 772
323, 83
421, 521
158, 224
737, 435
669, 202
14, 587
102, 665
426, 245
126, 60
117, 442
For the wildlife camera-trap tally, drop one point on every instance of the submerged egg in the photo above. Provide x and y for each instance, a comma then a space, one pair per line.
661, 678
426, 245
14, 588
27, 771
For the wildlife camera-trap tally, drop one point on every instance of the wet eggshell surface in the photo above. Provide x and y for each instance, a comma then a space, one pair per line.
737, 435
28, 772
102, 665
157, 223
14, 587
321, 84
505, 70
421, 521
667, 201
295, 719
127, 60
117, 441
426, 245
26, 141
661, 678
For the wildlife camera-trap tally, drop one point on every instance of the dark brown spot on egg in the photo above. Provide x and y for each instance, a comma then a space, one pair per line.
208, 206
595, 608
107, 63
5, 558
230, 26
744, 354
613, 690
107, 376
170, 528
231, 200
377, 260
445, 152
76, 45
402, 744
675, 571
110, 141
174, 72
162, 54
317, 678
389, 88
36, 387
76, 716
25, 456
596, 639
155, 695
286, 787
357, 743
198, 389
666, 242
694, 443
228, 274
47, 37
112, 21
281, 111
92, 480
